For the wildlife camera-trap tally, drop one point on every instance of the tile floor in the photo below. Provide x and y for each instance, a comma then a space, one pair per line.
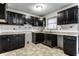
35, 50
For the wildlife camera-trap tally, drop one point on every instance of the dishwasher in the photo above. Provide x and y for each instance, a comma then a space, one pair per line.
69, 43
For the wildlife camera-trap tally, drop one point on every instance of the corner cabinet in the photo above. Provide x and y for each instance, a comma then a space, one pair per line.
11, 42
68, 16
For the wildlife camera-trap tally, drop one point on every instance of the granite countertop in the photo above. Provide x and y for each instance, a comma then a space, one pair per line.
57, 32
60, 32
7, 32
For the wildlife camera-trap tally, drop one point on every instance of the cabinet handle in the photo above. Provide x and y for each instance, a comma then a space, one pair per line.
8, 39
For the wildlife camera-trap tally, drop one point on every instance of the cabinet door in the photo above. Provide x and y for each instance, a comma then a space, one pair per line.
72, 15
40, 37
20, 19
44, 21
45, 39
36, 22
34, 38
13, 42
2, 11
15, 18
40, 22
31, 20
62, 17
11, 18
37, 38
21, 40
50, 40
4, 44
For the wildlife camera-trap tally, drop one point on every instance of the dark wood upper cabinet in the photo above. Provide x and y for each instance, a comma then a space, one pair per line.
62, 16
44, 21
3, 13
68, 16
72, 15
15, 18
29, 20
35, 21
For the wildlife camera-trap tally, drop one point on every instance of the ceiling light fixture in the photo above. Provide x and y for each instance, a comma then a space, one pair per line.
39, 7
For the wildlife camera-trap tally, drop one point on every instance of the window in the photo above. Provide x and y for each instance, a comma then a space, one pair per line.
52, 23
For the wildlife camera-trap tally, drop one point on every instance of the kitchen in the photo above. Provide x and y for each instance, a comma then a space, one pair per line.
47, 29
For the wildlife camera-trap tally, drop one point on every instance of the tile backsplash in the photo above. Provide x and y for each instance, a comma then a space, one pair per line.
71, 27
68, 27
15, 27
25, 27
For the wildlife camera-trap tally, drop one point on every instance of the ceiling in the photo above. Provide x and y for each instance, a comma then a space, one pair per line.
27, 7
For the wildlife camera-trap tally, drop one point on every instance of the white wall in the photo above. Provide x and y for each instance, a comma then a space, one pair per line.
55, 12
25, 13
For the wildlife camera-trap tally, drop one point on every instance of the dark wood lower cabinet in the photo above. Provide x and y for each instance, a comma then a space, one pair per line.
37, 38
4, 44
50, 40
47, 39
21, 41
11, 42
